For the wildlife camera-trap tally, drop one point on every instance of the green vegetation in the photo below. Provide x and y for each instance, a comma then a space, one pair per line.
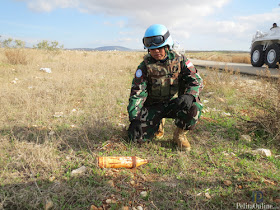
51, 124
50, 46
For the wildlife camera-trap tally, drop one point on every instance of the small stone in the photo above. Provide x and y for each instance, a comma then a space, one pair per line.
228, 154
207, 195
79, 171
143, 194
125, 208
51, 133
262, 152
48, 204
132, 182
121, 125
221, 100
109, 201
227, 182
93, 207
246, 138
199, 194
52, 178
139, 208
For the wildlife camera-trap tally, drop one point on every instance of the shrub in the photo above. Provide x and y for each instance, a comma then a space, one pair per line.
266, 123
16, 56
14, 51
49, 46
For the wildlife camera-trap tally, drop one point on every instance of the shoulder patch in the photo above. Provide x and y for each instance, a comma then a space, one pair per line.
139, 73
190, 66
188, 63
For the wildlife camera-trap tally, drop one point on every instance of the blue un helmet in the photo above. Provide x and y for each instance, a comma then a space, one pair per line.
157, 36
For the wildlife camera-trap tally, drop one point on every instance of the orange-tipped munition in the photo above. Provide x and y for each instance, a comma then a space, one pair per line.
120, 162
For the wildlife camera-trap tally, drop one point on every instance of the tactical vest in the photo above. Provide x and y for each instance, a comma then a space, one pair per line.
163, 78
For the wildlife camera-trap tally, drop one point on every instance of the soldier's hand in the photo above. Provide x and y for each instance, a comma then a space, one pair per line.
135, 130
184, 101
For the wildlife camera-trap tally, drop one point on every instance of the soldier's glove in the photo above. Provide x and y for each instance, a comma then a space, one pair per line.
135, 130
184, 101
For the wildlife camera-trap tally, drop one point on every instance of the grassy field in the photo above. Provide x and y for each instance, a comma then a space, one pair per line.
53, 123
222, 56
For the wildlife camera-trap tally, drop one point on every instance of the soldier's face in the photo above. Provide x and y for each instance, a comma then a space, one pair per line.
158, 54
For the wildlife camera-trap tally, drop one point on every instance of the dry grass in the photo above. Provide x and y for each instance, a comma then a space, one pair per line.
53, 123
85, 95
16, 56
231, 57
266, 124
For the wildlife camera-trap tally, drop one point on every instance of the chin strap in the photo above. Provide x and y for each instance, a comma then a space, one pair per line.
166, 48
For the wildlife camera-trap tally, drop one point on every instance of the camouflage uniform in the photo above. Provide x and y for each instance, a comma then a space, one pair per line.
156, 84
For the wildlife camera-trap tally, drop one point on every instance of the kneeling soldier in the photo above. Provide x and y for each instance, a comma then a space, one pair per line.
166, 85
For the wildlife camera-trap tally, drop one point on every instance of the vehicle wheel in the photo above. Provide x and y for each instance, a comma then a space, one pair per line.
257, 56
272, 55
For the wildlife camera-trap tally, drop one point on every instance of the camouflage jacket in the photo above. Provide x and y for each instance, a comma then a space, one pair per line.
159, 82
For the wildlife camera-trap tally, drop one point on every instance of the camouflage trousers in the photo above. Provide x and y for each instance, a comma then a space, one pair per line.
151, 117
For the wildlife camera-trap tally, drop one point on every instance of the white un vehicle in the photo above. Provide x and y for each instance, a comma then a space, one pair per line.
265, 48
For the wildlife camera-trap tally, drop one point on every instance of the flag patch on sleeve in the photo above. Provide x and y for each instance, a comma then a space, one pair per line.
188, 63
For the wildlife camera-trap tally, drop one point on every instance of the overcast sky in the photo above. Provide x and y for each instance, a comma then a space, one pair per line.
195, 24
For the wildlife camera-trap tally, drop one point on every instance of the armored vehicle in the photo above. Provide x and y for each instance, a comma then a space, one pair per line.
265, 48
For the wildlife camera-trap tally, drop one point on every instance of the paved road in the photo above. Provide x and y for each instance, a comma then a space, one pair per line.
241, 67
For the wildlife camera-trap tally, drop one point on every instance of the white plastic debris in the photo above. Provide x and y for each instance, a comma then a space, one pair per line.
143, 194
205, 101
47, 70
79, 171
226, 114
14, 81
228, 154
58, 114
263, 152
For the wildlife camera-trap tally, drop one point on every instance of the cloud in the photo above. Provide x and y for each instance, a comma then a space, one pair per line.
177, 16
187, 20
48, 6
140, 10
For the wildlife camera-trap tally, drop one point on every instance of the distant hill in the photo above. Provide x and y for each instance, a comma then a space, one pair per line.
105, 48
110, 48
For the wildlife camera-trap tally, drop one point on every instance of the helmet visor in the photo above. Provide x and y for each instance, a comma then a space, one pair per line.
155, 40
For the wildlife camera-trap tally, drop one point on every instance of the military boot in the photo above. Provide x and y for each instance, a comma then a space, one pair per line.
159, 134
180, 138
